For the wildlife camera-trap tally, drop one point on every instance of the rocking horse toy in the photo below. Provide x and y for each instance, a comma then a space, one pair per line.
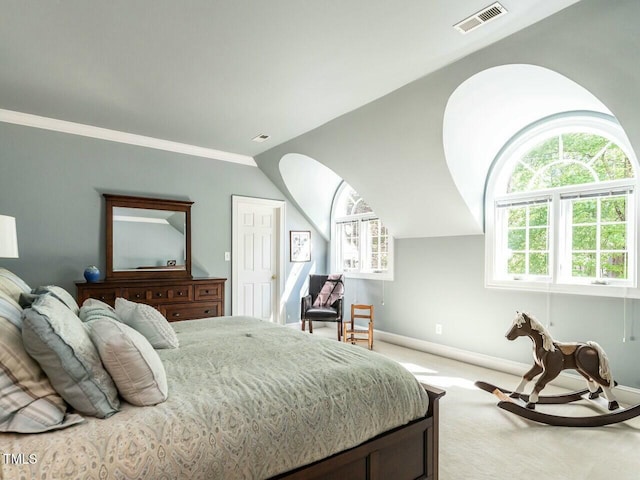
550, 358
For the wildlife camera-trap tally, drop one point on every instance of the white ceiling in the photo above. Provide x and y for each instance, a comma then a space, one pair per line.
214, 73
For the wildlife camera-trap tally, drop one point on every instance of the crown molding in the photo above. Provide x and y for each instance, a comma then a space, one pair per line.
36, 121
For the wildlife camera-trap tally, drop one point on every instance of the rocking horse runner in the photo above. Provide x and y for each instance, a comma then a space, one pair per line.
550, 358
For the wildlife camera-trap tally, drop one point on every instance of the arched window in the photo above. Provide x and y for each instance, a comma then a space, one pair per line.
361, 245
561, 209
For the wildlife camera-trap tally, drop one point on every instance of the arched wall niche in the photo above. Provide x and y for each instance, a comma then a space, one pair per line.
313, 186
492, 106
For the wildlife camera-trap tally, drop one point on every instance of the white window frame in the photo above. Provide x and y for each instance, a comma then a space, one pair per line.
502, 242
364, 242
558, 281
565, 246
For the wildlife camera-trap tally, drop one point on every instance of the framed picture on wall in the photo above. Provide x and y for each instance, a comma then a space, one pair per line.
300, 245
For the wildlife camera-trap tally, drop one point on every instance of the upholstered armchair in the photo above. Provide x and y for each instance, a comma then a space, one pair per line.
323, 305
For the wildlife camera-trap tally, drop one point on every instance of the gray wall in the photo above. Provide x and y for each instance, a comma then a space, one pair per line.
53, 184
440, 280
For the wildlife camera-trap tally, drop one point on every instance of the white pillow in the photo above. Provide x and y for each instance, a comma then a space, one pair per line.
131, 361
61, 294
148, 321
93, 307
95, 303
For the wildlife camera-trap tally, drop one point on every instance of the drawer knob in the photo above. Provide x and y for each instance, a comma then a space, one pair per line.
159, 294
180, 293
206, 291
207, 311
137, 295
102, 297
176, 314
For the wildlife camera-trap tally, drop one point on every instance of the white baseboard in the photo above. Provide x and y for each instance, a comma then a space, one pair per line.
628, 395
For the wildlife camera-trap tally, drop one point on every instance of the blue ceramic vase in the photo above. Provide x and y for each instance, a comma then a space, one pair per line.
92, 274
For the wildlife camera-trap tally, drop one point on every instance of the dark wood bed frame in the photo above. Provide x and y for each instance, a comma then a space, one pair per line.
404, 453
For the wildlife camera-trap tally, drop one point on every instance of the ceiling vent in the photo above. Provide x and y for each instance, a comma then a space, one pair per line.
483, 16
261, 138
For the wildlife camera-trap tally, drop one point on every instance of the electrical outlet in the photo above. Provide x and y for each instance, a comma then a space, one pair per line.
438, 329
227, 256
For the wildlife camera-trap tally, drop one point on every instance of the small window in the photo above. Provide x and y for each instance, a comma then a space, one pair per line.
361, 245
561, 208
525, 243
598, 237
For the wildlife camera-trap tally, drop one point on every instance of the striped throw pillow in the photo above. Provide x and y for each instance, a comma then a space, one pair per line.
12, 284
10, 309
28, 402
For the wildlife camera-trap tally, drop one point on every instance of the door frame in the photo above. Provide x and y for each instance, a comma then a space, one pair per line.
279, 230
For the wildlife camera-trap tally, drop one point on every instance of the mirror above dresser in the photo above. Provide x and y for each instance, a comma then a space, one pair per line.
148, 259
147, 237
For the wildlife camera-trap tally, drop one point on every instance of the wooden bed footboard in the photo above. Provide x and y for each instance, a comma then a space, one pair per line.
405, 453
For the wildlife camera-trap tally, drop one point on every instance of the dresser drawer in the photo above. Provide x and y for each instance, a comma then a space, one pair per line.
137, 294
182, 293
190, 311
161, 294
107, 295
209, 291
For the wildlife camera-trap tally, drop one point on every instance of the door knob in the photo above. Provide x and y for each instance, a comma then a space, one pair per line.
273, 277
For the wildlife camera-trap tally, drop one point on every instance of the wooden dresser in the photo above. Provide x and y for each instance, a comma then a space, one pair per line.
176, 299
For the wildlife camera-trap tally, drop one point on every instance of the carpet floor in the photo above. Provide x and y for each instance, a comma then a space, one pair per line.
480, 441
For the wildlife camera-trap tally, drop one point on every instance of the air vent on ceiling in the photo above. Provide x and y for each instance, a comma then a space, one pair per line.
483, 16
261, 138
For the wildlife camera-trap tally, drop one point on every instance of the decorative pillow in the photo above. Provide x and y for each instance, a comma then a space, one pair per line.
11, 284
28, 402
131, 361
148, 321
92, 307
332, 290
26, 299
10, 309
61, 294
59, 341
95, 303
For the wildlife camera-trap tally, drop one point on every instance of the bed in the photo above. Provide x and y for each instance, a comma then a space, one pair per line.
250, 399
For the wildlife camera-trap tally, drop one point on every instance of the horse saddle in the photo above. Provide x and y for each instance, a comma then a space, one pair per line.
567, 348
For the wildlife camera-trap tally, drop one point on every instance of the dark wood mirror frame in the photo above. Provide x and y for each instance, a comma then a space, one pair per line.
150, 204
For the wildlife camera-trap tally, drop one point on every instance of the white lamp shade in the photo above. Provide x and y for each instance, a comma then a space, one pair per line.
8, 237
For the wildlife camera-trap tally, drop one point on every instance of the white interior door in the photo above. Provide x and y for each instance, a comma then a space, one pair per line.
257, 257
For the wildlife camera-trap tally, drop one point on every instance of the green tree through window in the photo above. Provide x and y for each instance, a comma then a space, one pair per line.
573, 191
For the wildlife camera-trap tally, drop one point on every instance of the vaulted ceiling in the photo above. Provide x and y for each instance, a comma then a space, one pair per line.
215, 74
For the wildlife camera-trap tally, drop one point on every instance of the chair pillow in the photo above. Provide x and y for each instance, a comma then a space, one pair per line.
332, 290
92, 307
131, 361
10, 310
58, 340
28, 402
148, 321
13, 285
61, 294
